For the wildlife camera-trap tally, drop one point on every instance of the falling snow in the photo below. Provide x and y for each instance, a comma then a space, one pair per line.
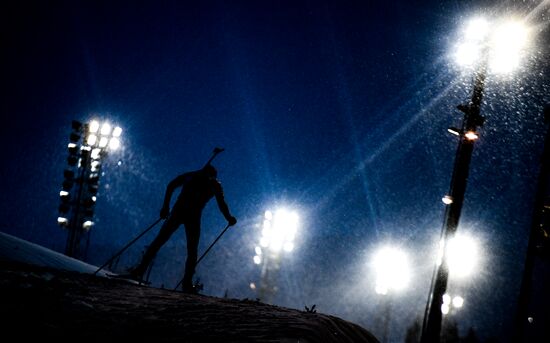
336, 111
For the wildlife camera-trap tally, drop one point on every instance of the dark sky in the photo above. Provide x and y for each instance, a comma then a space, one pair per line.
336, 109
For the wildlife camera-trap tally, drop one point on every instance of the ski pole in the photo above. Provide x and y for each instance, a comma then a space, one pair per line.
127, 245
206, 252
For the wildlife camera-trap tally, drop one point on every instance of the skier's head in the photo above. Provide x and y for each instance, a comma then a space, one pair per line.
210, 171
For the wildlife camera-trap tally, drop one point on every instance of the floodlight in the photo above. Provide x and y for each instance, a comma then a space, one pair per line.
73, 148
462, 255
451, 302
471, 135
96, 153
392, 269
283, 229
85, 151
87, 224
476, 30
458, 301
62, 221
257, 259
95, 166
94, 126
446, 298
276, 245
288, 246
508, 43
381, 289
114, 143
117, 131
105, 129
469, 50
454, 131
64, 196
94, 178
500, 44
447, 199
92, 139
103, 142
467, 54
279, 230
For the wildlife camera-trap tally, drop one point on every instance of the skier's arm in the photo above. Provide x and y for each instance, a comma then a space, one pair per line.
172, 185
224, 209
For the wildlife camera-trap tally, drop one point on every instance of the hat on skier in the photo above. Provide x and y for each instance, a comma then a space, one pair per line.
210, 170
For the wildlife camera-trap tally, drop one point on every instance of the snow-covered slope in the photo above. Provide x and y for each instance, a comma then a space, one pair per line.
13, 249
47, 296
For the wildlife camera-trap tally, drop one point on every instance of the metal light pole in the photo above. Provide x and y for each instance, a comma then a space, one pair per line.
89, 144
278, 234
269, 277
501, 52
455, 199
392, 275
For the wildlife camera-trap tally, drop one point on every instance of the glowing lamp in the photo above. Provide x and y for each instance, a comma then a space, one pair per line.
117, 132
447, 199
87, 224
94, 126
92, 139
458, 301
392, 270
502, 44
257, 259
103, 142
471, 135
105, 129
114, 143
454, 131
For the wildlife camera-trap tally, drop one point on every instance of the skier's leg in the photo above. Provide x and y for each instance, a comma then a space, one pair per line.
168, 228
192, 232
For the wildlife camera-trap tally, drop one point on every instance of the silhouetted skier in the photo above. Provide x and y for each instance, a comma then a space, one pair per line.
198, 187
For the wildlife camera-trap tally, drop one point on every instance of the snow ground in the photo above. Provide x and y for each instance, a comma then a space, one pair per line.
13, 249
48, 296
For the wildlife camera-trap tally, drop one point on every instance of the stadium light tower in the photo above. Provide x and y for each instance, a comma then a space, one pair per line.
392, 270
88, 145
485, 47
278, 233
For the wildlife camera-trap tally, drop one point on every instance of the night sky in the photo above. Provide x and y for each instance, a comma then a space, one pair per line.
335, 109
